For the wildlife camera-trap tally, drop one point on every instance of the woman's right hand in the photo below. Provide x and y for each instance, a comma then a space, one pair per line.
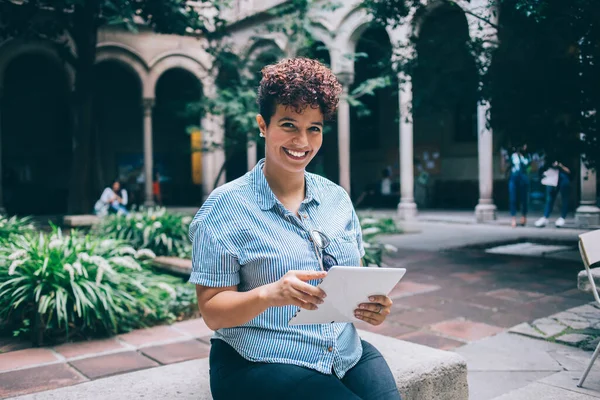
293, 289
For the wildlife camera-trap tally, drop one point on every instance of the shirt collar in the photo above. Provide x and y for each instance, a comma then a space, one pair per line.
264, 195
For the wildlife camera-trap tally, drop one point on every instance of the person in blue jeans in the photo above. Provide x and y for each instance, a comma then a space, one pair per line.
518, 183
255, 262
564, 188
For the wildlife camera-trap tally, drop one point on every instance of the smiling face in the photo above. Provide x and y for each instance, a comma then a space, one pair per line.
292, 139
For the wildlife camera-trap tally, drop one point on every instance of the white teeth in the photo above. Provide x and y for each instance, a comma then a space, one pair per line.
296, 153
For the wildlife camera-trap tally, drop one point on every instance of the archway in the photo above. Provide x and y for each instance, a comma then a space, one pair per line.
118, 116
444, 112
177, 90
326, 163
374, 132
36, 136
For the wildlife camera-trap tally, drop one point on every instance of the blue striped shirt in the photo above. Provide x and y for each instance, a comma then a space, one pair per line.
244, 236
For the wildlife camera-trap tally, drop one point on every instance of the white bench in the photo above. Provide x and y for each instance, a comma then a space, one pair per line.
176, 265
75, 221
421, 373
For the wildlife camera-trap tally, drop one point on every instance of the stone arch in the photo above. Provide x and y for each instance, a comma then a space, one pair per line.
13, 48
260, 46
126, 56
350, 29
169, 61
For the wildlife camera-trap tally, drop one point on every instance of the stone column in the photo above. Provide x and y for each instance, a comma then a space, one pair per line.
485, 209
587, 214
346, 79
2, 209
213, 135
148, 152
407, 208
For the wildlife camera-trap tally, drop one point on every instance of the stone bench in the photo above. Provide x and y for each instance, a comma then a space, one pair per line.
83, 220
421, 373
175, 265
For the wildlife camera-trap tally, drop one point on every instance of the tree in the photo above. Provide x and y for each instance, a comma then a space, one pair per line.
72, 26
542, 82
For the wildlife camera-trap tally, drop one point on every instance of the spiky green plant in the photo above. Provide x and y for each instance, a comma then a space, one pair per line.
165, 233
57, 286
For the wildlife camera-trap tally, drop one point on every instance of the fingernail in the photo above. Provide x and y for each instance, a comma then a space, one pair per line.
320, 301
364, 307
372, 298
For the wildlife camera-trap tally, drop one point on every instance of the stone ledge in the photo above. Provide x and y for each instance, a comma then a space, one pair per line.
421, 373
176, 265
583, 283
80, 220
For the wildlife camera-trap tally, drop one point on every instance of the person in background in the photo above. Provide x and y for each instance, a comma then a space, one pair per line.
564, 188
156, 189
114, 199
518, 183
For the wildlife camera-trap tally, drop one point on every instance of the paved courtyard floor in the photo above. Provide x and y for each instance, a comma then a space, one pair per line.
453, 297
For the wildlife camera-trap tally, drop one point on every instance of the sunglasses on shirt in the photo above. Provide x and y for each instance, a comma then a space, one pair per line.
320, 242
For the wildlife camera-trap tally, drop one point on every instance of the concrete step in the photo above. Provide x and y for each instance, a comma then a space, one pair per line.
421, 373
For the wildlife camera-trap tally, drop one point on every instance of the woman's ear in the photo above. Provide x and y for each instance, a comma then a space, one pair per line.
262, 125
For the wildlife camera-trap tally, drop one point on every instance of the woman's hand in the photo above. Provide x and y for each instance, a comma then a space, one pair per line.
375, 312
293, 289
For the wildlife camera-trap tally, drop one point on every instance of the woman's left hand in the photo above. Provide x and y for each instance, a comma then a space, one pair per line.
375, 312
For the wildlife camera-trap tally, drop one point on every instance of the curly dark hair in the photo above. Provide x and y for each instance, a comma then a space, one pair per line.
298, 83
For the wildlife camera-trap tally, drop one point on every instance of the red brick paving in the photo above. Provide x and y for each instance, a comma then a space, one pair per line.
156, 334
26, 358
78, 349
193, 327
408, 288
447, 299
519, 296
466, 330
420, 318
177, 352
31, 380
113, 364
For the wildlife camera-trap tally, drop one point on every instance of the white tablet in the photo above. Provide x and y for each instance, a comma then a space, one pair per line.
346, 288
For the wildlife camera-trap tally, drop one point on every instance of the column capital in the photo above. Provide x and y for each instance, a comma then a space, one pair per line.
346, 78
148, 104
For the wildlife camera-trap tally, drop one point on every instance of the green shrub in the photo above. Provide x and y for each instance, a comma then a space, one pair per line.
371, 228
56, 287
166, 234
14, 226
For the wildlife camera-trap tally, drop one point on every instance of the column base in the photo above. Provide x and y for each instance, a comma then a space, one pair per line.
407, 211
485, 212
587, 215
149, 203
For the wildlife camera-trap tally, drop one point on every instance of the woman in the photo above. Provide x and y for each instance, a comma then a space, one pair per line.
113, 199
254, 263
518, 183
564, 188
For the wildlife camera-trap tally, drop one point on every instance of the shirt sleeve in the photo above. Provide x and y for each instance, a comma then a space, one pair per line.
212, 264
106, 195
358, 231
124, 197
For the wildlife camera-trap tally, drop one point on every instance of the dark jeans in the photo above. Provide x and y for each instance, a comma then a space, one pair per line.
234, 377
564, 188
518, 190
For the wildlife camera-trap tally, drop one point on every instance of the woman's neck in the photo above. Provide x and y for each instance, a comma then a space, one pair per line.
286, 186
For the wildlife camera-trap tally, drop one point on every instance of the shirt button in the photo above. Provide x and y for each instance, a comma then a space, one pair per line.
330, 349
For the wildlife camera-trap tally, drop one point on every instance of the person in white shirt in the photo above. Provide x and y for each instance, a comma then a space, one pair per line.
113, 199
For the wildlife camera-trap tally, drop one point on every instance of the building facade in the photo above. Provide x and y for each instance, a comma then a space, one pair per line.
438, 150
